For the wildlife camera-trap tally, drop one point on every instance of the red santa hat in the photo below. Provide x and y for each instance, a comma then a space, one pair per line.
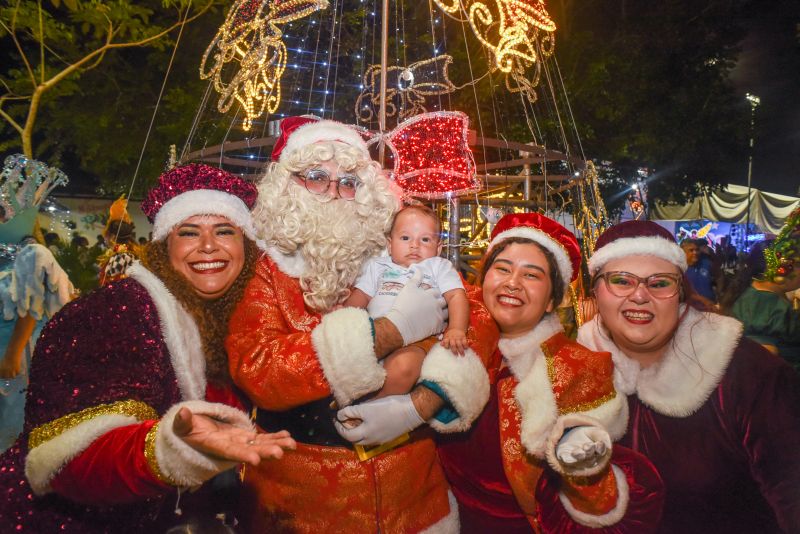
297, 132
197, 189
545, 232
629, 238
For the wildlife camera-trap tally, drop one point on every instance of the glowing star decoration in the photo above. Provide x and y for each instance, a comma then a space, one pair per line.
431, 156
407, 88
251, 39
518, 33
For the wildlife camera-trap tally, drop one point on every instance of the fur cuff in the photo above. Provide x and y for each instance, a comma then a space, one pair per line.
578, 470
464, 381
179, 462
450, 523
45, 461
608, 519
346, 352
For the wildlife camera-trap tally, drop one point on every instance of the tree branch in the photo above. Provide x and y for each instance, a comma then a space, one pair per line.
41, 42
109, 46
8, 117
12, 32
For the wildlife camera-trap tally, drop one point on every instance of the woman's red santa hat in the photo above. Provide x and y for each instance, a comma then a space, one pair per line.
545, 232
297, 132
630, 238
197, 189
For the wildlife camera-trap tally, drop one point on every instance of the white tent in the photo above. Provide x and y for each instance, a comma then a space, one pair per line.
767, 210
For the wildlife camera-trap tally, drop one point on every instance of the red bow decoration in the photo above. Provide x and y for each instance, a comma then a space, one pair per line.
432, 158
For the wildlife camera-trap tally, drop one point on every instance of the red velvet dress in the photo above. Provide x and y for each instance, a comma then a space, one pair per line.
102, 377
722, 426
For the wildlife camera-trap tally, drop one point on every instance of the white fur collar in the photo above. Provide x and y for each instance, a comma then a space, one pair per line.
521, 352
180, 334
683, 380
293, 265
534, 393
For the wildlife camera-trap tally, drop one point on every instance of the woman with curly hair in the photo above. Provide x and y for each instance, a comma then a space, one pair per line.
130, 397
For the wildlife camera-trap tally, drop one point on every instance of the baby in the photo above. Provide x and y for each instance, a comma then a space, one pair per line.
414, 244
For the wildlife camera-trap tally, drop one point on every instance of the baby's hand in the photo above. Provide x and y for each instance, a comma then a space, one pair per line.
455, 340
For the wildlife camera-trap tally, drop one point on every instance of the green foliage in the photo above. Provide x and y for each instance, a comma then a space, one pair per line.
80, 264
92, 112
650, 88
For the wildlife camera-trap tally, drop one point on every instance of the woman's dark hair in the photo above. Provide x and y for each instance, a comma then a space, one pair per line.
120, 232
211, 316
556, 281
753, 266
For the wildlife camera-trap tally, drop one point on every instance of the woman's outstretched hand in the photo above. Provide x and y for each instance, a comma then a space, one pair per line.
228, 442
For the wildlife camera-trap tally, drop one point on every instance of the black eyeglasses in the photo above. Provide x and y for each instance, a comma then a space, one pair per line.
622, 284
318, 181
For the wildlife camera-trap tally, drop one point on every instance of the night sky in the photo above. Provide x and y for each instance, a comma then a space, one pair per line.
769, 67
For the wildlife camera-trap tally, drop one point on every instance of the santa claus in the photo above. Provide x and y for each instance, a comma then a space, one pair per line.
324, 208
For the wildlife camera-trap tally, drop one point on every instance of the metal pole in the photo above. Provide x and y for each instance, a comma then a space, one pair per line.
454, 235
754, 102
384, 66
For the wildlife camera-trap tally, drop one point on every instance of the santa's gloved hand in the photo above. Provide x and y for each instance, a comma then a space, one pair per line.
378, 421
583, 444
418, 312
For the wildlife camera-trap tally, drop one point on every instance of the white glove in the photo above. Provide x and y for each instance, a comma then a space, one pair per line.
584, 444
418, 313
382, 420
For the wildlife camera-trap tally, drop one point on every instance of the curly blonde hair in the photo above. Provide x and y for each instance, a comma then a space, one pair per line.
211, 316
335, 237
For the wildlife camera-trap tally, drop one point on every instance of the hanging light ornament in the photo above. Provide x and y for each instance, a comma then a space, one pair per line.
518, 33
251, 38
407, 88
432, 158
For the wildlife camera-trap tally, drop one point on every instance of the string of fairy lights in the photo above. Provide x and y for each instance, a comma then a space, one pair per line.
307, 66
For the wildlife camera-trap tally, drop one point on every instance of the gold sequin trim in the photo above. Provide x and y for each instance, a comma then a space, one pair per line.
44, 433
581, 407
150, 455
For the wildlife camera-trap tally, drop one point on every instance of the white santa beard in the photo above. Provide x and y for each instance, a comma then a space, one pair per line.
333, 238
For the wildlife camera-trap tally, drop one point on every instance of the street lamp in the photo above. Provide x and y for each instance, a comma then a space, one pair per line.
754, 103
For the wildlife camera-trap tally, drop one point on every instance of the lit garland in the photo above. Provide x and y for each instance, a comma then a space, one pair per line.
784, 253
432, 158
409, 84
251, 37
512, 30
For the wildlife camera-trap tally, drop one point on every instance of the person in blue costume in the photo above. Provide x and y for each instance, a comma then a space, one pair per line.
32, 284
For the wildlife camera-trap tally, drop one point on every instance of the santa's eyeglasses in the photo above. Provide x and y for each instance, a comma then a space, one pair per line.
318, 181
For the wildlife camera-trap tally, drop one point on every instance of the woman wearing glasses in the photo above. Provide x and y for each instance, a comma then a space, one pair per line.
717, 414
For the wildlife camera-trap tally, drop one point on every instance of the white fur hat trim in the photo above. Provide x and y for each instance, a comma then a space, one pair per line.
320, 132
202, 202
638, 246
544, 239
